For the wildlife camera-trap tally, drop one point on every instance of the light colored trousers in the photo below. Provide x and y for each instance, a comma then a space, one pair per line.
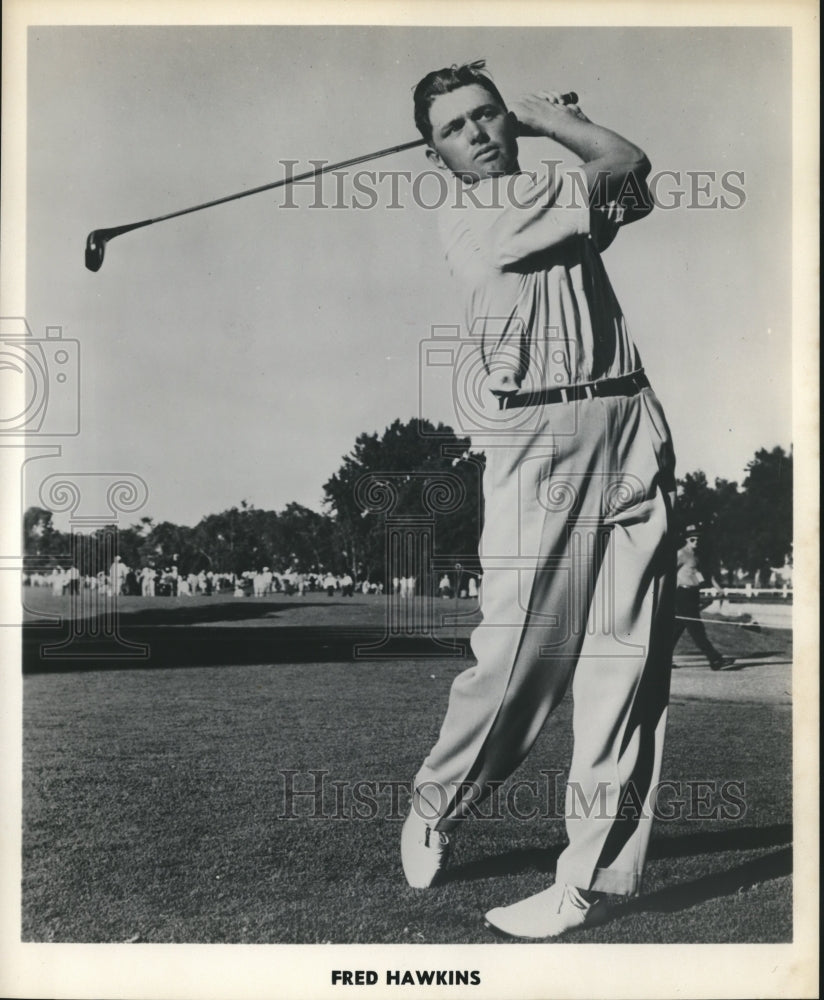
578, 584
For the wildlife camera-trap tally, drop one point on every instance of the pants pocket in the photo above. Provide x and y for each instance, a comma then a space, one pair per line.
660, 437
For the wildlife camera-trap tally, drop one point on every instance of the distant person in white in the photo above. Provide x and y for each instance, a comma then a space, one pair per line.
117, 575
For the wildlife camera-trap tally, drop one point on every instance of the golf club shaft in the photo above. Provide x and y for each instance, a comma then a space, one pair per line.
570, 98
292, 179
97, 238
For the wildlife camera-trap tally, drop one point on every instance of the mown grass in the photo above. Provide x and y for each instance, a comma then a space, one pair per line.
154, 804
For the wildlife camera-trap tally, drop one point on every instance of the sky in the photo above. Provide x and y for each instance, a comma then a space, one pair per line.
237, 353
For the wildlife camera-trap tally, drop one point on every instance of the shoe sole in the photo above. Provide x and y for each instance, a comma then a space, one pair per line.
503, 935
499, 932
436, 882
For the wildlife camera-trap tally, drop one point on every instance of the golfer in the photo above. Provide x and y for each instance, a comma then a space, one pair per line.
578, 564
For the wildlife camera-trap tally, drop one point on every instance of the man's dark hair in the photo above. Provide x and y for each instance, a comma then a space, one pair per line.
444, 81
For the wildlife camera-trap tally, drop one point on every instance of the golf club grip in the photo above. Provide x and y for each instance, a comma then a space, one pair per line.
526, 132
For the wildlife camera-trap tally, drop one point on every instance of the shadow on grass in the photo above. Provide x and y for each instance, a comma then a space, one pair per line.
221, 610
706, 842
724, 883
743, 643
170, 647
542, 859
745, 838
746, 660
766, 657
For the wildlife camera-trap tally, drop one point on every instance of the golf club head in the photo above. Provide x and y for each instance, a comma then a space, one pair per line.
95, 248
98, 238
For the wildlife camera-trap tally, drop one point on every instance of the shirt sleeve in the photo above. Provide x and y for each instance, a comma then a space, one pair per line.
502, 221
537, 214
604, 223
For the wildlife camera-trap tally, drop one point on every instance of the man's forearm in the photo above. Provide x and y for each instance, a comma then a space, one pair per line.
615, 168
593, 142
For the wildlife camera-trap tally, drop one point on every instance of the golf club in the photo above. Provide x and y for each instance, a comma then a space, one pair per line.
98, 238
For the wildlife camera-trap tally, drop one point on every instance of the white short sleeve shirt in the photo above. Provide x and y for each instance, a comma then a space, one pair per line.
526, 250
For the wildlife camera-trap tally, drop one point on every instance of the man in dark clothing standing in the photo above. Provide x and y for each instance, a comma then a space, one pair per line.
689, 581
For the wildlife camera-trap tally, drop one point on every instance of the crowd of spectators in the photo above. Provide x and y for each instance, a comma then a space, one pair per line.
170, 581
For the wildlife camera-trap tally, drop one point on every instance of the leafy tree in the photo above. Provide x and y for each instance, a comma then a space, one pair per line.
229, 541
729, 534
748, 528
166, 544
697, 501
129, 545
307, 540
411, 456
42, 542
767, 510
716, 510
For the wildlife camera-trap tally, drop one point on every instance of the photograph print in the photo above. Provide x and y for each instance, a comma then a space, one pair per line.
403, 449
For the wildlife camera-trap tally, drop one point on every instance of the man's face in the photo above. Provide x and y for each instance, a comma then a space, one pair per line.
472, 134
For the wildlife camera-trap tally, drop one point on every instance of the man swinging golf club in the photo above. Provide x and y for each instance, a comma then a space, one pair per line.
576, 547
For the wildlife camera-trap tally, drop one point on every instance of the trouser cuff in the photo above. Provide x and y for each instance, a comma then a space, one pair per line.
620, 883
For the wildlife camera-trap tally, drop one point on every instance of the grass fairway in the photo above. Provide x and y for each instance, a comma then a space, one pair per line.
155, 805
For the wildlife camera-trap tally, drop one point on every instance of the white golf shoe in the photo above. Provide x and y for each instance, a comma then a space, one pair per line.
424, 851
547, 914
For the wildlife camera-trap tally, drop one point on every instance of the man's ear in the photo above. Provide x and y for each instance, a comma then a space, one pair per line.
435, 157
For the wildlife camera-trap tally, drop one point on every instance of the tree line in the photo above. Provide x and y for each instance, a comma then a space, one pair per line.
417, 483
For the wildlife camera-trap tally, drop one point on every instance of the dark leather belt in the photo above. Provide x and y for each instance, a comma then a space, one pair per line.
627, 385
